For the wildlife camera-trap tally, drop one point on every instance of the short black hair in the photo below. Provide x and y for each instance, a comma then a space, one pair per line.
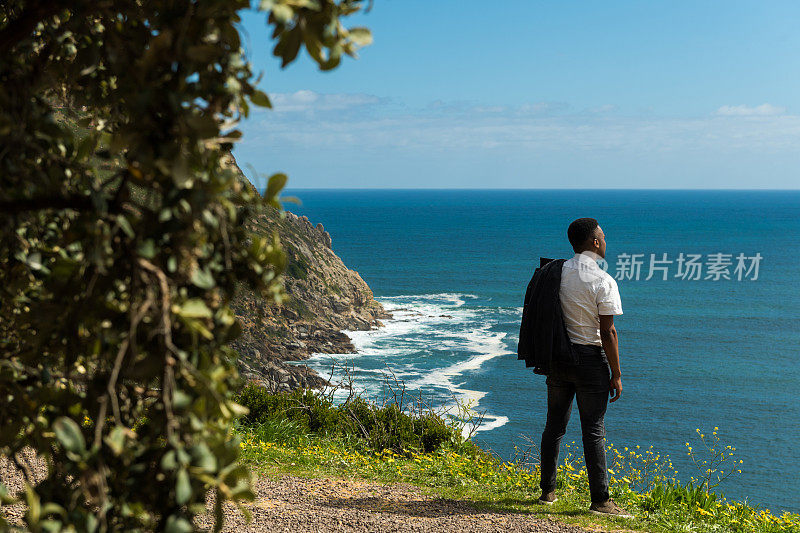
580, 231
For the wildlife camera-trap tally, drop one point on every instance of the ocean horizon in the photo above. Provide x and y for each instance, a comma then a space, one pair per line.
709, 336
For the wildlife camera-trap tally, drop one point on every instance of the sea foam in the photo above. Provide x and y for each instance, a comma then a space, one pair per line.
430, 346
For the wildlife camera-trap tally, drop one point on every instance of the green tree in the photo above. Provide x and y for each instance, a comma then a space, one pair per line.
121, 244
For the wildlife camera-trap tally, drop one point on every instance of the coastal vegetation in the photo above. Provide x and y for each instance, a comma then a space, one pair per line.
304, 434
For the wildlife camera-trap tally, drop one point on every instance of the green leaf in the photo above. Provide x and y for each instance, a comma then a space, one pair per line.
147, 249
204, 126
183, 488
238, 410
53, 508
170, 461
86, 147
176, 524
260, 99
34, 512
289, 46
181, 400
34, 261
69, 434
5, 497
91, 523
291, 199
198, 327
274, 185
234, 135
116, 439
194, 308
334, 58
314, 47
282, 13
310, 4
203, 457
123, 223
183, 456
360, 36
182, 173
203, 279
51, 526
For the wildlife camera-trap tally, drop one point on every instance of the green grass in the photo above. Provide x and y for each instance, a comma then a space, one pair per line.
466, 472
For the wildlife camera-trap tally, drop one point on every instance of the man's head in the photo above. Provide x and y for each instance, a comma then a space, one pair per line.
586, 234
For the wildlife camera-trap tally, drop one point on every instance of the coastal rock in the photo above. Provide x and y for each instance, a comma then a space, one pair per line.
325, 297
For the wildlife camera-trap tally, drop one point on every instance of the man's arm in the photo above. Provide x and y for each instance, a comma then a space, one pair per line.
608, 337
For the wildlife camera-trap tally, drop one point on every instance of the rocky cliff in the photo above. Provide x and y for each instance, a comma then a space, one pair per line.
325, 297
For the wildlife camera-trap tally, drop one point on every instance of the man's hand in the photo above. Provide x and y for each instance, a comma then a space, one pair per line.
615, 388
608, 337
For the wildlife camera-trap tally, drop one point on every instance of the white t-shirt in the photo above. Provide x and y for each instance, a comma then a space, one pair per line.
587, 291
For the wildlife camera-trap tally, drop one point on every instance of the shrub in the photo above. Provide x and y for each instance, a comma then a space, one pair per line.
376, 427
312, 412
434, 432
278, 430
122, 241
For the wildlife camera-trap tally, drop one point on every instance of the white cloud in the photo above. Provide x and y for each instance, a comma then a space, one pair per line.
515, 129
305, 101
454, 132
364, 140
607, 108
470, 108
763, 110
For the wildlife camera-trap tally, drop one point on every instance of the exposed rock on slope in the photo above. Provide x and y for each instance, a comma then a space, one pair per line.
325, 298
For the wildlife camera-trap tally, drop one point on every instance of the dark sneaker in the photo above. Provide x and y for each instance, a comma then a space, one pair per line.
609, 508
547, 499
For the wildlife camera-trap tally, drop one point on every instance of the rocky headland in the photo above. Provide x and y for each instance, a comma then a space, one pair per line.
325, 297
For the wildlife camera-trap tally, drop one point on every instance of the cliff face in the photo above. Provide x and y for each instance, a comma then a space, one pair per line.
325, 297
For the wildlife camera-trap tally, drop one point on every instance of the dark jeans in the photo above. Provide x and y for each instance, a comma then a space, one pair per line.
589, 381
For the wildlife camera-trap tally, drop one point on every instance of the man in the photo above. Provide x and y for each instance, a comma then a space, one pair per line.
568, 333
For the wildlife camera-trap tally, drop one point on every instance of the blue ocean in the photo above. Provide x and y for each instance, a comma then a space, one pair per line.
715, 345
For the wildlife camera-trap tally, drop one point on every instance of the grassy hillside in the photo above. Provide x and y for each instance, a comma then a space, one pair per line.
304, 435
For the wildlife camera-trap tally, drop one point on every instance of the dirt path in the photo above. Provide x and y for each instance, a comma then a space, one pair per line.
320, 505
296, 505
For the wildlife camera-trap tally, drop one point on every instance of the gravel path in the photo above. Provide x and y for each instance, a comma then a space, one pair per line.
14, 481
294, 504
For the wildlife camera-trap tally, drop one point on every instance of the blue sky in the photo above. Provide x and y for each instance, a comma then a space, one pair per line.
520, 94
